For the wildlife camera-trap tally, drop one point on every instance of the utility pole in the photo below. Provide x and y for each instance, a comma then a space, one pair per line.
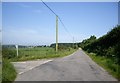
56, 33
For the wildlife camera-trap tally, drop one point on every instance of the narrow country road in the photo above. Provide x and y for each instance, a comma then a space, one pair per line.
75, 67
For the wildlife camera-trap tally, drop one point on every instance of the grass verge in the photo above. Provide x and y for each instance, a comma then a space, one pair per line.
0, 65
8, 71
0, 72
107, 64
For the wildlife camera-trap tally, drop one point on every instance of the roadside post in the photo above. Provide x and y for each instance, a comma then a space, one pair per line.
16, 49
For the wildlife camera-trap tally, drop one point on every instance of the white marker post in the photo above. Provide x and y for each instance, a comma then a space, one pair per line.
16, 49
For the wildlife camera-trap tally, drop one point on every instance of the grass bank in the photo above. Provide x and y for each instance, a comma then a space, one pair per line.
0, 73
107, 64
40, 53
8, 71
0, 65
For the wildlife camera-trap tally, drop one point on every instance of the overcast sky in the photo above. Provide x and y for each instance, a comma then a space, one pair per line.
32, 23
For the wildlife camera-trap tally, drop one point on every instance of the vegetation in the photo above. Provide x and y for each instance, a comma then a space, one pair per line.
86, 42
8, 71
107, 47
104, 50
8, 53
35, 53
0, 63
65, 45
107, 64
30, 53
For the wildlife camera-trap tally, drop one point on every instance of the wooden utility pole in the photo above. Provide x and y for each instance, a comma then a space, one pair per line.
56, 33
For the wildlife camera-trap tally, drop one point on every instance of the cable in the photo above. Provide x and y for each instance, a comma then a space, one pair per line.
49, 8
58, 17
64, 26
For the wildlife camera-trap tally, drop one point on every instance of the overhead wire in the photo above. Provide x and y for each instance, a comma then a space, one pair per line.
49, 8
58, 18
64, 26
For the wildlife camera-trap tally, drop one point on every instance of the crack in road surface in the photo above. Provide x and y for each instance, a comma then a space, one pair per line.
75, 67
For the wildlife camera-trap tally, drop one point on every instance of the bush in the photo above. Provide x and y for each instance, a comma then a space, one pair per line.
107, 45
117, 52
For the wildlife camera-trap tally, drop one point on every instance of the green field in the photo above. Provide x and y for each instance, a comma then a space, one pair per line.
37, 53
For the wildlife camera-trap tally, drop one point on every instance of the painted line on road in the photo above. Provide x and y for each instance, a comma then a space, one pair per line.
20, 72
35, 66
47, 61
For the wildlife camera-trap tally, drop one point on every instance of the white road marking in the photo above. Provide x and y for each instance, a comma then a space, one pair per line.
34, 66
20, 72
47, 61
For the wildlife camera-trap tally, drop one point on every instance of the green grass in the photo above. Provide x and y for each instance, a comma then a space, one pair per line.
8, 71
107, 64
0, 65
0, 73
40, 53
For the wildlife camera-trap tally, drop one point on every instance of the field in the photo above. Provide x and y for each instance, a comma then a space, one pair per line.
39, 53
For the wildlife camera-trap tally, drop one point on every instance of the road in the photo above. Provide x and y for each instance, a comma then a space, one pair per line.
75, 67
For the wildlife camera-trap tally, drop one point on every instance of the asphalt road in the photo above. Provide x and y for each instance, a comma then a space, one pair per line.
75, 67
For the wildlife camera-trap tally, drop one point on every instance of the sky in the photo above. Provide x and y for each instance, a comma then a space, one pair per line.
60, 0
0, 23
119, 13
32, 23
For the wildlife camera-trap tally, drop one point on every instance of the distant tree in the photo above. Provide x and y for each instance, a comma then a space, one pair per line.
88, 41
44, 46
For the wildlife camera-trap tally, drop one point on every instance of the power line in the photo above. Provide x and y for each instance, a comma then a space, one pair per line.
49, 8
64, 26
58, 18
